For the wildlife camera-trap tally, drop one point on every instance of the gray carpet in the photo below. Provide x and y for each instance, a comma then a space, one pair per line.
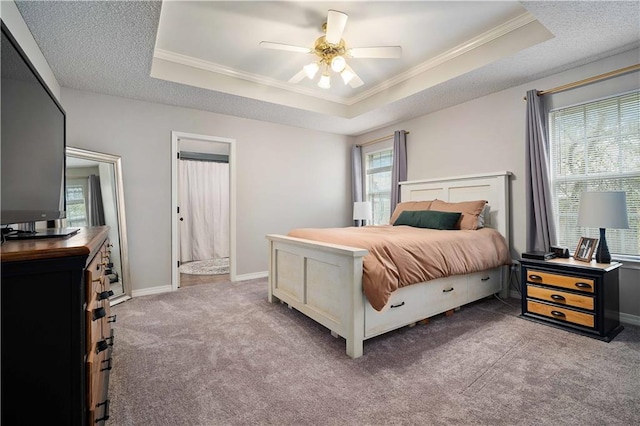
220, 354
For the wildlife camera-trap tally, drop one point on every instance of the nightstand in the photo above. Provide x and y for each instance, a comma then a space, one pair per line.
572, 295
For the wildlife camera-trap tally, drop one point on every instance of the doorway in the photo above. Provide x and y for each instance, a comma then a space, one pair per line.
200, 246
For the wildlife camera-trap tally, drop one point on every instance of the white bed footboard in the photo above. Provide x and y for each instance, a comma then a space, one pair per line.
323, 281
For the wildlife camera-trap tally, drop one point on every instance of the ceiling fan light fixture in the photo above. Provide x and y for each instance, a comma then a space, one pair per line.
338, 63
346, 75
332, 55
325, 81
311, 69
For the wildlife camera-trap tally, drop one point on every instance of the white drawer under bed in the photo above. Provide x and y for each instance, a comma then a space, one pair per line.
419, 301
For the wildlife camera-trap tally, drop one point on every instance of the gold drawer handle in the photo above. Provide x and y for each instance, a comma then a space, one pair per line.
558, 314
535, 277
583, 285
558, 297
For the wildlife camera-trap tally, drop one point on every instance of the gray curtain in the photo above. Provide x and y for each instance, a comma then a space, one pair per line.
541, 231
95, 206
356, 178
399, 169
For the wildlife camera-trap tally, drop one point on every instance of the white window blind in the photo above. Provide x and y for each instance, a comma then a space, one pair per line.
378, 184
596, 147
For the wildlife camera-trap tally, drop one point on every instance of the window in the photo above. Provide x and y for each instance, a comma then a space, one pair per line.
378, 184
76, 204
596, 147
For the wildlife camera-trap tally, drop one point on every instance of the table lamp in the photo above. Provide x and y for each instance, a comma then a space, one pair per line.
362, 211
603, 210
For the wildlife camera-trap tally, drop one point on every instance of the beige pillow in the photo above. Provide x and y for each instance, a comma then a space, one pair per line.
410, 206
470, 211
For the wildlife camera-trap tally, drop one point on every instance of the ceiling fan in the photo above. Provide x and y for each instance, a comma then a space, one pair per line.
332, 52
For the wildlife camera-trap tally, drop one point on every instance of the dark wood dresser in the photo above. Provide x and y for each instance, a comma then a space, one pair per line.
56, 329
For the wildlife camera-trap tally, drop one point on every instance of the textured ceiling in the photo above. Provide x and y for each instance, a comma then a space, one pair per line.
108, 47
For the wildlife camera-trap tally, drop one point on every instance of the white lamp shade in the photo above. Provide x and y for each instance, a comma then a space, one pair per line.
325, 81
606, 209
362, 210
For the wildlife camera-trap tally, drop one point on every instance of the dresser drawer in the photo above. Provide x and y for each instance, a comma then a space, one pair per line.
97, 386
569, 282
106, 321
561, 314
94, 377
561, 297
95, 325
95, 269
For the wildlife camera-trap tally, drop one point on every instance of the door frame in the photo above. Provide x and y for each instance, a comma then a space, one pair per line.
175, 241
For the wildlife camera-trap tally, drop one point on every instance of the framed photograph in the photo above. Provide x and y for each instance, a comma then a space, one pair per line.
585, 249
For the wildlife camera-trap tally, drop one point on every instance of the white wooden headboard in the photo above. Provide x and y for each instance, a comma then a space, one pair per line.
493, 187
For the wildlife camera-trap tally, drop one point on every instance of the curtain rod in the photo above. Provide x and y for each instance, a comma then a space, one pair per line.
589, 80
383, 138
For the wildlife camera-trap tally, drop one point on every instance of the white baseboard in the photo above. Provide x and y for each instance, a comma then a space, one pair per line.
151, 290
167, 288
252, 276
629, 319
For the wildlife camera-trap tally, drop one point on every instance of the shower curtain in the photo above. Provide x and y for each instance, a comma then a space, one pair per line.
204, 209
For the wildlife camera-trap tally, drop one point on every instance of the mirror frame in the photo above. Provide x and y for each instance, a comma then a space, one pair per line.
116, 161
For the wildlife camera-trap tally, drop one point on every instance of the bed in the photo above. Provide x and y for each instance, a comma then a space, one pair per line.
324, 280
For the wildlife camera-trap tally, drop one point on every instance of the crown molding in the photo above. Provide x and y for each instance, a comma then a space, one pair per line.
484, 38
230, 72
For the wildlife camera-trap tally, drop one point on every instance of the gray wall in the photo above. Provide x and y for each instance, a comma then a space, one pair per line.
488, 134
286, 177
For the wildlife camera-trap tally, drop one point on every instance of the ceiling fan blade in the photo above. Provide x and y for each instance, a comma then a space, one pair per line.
355, 81
298, 77
282, 46
336, 22
375, 52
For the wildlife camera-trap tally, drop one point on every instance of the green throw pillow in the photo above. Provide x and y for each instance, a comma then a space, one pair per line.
432, 219
407, 217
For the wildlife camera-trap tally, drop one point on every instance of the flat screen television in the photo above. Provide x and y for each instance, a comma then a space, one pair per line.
32, 150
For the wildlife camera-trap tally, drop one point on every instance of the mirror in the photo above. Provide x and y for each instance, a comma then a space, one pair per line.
95, 197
